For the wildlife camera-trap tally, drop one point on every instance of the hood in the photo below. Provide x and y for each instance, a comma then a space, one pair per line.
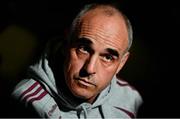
43, 73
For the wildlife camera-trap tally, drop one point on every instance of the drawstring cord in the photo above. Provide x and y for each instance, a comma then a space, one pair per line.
80, 109
85, 112
101, 111
83, 108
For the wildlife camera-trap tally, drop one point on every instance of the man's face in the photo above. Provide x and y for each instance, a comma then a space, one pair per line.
95, 55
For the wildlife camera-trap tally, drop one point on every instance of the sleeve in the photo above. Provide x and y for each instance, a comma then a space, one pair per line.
31, 94
126, 98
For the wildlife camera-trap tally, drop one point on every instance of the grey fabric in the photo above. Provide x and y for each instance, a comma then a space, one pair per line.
118, 100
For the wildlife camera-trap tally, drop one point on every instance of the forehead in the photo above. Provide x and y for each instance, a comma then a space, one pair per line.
109, 31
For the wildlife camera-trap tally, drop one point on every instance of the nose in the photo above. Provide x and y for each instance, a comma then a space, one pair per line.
89, 67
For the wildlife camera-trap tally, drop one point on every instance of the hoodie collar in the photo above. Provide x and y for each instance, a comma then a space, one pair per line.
44, 72
73, 105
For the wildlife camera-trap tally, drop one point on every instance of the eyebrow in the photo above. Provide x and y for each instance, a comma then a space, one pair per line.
89, 42
113, 52
84, 41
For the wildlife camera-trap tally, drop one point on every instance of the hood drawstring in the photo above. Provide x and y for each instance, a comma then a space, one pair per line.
84, 109
85, 112
101, 112
80, 109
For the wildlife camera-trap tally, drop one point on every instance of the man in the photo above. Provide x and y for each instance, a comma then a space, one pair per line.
84, 85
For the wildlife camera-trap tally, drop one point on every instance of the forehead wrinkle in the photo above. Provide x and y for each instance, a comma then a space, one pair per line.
87, 29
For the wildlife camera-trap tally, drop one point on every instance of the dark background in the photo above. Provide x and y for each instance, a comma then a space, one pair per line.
26, 26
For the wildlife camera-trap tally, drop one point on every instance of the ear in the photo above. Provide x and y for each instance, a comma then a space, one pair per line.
123, 61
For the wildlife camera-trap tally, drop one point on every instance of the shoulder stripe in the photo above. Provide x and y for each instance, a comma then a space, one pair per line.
32, 94
29, 89
38, 97
130, 114
125, 84
122, 84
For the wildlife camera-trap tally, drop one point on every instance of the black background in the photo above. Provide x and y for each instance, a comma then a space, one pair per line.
152, 68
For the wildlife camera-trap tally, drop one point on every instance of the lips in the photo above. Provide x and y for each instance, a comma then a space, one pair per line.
85, 82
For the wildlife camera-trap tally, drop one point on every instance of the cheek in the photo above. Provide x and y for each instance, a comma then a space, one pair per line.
105, 77
74, 64
108, 72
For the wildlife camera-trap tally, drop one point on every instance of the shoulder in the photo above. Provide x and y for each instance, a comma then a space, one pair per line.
32, 94
122, 87
29, 91
125, 97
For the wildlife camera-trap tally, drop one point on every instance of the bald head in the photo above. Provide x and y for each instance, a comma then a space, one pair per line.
108, 13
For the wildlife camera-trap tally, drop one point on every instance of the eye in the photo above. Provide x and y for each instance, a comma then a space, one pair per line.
82, 49
108, 58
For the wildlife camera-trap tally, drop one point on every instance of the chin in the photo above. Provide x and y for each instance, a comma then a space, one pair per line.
81, 91
84, 94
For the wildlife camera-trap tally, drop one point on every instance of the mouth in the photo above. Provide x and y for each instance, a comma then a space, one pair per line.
85, 82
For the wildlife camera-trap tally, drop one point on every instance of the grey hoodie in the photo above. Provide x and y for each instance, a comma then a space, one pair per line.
39, 91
